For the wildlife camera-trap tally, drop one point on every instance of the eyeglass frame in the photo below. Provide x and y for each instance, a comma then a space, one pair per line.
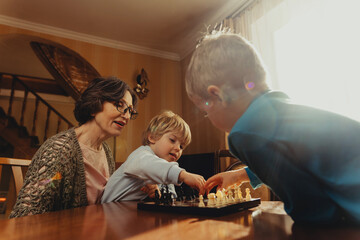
133, 113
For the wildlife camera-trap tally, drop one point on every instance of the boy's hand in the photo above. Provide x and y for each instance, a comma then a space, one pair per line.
226, 179
193, 180
150, 189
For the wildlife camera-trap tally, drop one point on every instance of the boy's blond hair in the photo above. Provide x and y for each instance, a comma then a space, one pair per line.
226, 60
167, 122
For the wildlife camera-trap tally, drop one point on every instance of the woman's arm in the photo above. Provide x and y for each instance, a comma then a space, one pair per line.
41, 191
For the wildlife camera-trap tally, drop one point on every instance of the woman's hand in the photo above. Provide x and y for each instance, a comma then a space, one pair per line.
226, 179
150, 189
193, 180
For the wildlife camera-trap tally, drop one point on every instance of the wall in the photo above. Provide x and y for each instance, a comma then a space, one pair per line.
165, 83
167, 92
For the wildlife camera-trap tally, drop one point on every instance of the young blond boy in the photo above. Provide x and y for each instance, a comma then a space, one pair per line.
155, 162
310, 158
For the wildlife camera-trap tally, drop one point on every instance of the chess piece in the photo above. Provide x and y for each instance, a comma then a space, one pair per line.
180, 194
248, 196
230, 197
241, 199
201, 201
189, 193
224, 199
166, 196
157, 196
211, 197
236, 195
231, 189
219, 197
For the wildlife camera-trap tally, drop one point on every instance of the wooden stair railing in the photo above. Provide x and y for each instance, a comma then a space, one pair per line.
15, 80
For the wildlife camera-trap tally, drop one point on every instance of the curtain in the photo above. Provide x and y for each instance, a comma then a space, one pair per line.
310, 48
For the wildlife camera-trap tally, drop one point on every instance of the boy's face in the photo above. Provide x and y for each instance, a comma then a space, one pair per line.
168, 146
213, 111
222, 111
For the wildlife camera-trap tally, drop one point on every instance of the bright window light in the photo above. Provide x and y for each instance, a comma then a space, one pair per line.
317, 57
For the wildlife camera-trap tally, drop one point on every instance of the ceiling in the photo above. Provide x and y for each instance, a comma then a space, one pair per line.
165, 28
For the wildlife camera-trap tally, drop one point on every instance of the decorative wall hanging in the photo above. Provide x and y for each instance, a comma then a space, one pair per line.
71, 71
141, 82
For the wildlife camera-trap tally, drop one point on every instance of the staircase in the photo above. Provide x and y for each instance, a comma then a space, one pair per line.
24, 145
14, 132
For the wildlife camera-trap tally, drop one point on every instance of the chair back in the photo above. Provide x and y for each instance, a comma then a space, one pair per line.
225, 161
11, 168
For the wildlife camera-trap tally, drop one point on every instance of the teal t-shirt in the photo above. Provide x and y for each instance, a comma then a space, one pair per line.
310, 158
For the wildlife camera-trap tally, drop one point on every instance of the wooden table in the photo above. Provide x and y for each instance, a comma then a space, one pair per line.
123, 220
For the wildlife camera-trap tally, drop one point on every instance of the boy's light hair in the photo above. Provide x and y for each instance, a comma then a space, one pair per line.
167, 122
225, 60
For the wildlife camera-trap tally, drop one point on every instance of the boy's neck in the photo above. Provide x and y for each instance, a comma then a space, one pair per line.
236, 108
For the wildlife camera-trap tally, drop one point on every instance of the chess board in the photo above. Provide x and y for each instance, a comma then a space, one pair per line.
193, 207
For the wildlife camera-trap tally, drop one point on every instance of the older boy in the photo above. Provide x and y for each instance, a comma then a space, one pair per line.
309, 157
155, 162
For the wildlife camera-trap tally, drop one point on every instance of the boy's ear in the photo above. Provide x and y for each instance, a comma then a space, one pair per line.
151, 139
215, 92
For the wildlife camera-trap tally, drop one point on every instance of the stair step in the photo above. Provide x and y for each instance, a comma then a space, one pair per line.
2, 113
11, 122
24, 145
34, 142
23, 132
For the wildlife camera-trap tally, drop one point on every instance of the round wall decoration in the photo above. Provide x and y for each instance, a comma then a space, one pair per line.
71, 71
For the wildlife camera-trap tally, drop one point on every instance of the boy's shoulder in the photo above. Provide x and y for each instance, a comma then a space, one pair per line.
141, 151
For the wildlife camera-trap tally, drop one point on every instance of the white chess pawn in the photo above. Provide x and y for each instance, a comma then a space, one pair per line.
230, 197
223, 191
219, 196
229, 190
241, 199
248, 196
211, 197
224, 199
201, 201
233, 188
236, 197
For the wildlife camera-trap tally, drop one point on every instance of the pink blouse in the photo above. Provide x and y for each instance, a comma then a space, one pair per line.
96, 173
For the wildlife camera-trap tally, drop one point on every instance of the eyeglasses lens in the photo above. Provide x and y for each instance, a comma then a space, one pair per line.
124, 108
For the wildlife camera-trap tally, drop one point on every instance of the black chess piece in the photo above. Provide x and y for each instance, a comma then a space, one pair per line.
167, 198
157, 197
180, 193
186, 193
162, 198
190, 194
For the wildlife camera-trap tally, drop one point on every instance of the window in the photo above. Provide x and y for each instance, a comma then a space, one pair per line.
316, 56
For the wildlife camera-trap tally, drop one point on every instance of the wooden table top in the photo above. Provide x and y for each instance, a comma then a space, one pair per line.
123, 220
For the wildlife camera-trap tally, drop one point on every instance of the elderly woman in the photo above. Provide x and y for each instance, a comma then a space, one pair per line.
71, 168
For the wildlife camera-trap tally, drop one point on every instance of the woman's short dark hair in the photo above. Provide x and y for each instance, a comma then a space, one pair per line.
100, 90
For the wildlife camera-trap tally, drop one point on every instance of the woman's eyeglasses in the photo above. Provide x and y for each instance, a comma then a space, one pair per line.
124, 108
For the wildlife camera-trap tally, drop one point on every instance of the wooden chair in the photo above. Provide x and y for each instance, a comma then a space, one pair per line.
11, 168
225, 161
